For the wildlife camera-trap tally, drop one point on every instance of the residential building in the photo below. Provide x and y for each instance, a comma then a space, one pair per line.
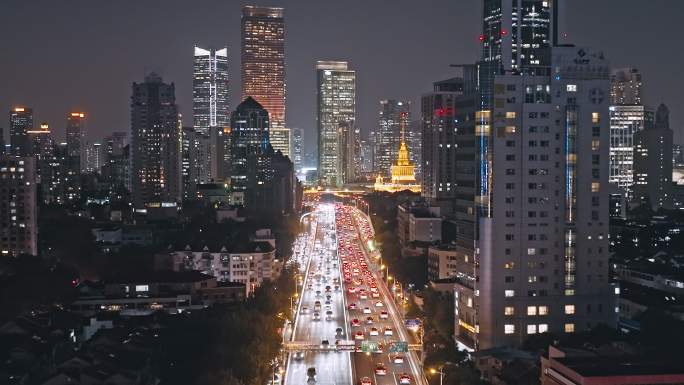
627, 117
41, 147
280, 140
438, 111
155, 143
418, 221
583, 366
442, 262
263, 59
393, 124
116, 170
75, 139
20, 122
250, 159
336, 104
142, 293
18, 206
653, 163
95, 157
250, 263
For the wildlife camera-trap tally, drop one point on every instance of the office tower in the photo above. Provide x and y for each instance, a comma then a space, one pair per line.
18, 206
653, 162
336, 103
250, 148
75, 139
347, 157
280, 140
21, 121
297, 143
211, 112
438, 110
155, 143
518, 34
263, 59
627, 117
210, 105
394, 114
95, 157
366, 156
538, 255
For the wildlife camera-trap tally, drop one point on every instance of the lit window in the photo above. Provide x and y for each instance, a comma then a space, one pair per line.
509, 328
569, 309
595, 117
142, 288
595, 144
531, 251
543, 310
595, 187
510, 129
572, 88
509, 293
531, 329
543, 328
531, 310
569, 328
509, 310
510, 115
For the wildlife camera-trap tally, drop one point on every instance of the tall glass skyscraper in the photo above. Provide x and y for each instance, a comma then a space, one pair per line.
394, 116
336, 88
75, 139
21, 121
210, 100
263, 59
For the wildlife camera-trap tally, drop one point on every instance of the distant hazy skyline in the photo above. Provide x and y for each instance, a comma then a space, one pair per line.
84, 55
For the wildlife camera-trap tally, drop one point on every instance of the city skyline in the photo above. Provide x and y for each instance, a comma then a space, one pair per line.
408, 78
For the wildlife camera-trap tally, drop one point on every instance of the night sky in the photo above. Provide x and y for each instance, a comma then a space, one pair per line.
58, 55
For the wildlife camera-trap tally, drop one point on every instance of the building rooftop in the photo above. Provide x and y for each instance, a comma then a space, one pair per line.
166, 276
620, 366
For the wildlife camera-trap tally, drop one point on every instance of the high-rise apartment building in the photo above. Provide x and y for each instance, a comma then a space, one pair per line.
395, 116
21, 121
627, 117
349, 164
75, 139
116, 170
297, 143
155, 143
250, 154
263, 59
40, 142
280, 140
438, 109
538, 219
336, 104
18, 206
653, 162
414, 141
95, 157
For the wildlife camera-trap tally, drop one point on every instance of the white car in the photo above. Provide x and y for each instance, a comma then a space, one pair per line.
379, 304
389, 331
373, 332
383, 315
397, 359
366, 310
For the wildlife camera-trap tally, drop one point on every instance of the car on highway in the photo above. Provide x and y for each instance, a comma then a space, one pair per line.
380, 369
379, 304
316, 316
375, 294
359, 335
373, 332
384, 315
397, 359
305, 310
325, 344
339, 332
369, 320
351, 289
355, 322
365, 381
388, 331
363, 294
366, 310
351, 306
404, 379
329, 316
298, 355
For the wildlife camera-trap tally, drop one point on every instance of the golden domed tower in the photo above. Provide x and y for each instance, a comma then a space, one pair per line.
403, 172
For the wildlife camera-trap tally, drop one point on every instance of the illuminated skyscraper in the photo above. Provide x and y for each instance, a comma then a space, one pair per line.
155, 143
210, 100
653, 162
336, 89
627, 117
297, 142
21, 121
394, 116
75, 139
263, 59
280, 140
18, 206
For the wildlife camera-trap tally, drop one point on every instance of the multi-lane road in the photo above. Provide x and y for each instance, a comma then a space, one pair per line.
345, 321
